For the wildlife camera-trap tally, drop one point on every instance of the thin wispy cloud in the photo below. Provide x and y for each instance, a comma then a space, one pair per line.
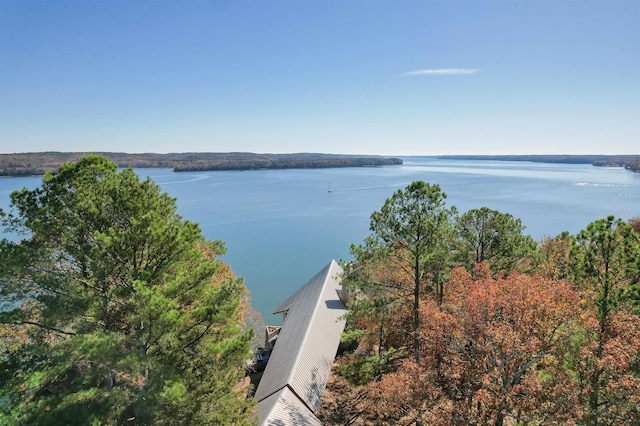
441, 71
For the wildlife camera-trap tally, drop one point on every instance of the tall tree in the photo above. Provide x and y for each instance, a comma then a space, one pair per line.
606, 261
122, 313
413, 232
495, 238
556, 256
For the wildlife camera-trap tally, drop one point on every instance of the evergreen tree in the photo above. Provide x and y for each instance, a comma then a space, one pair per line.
412, 233
606, 260
120, 311
495, 238
606, 263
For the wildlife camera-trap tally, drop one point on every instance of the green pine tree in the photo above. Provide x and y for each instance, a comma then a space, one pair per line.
606, 263
413, 232
495, 238
120, 312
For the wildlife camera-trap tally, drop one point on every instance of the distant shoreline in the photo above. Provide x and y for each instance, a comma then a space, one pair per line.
629, 162
38, 163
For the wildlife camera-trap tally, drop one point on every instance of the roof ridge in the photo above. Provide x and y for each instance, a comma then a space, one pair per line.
307, 330
293, 367
284, 306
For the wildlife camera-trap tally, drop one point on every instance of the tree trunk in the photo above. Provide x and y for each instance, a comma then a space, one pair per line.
416, 307
603, 313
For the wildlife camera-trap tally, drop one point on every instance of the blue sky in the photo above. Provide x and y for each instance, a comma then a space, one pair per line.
359, 77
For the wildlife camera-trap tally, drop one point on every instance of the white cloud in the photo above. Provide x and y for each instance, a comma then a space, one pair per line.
441, 71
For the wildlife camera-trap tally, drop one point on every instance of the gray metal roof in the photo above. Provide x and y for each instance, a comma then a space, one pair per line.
284, 408
308, 341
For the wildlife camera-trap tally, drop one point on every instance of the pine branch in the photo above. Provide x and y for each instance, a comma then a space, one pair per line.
56, 330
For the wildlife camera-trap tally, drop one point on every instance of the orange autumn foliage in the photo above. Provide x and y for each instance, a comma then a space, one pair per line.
486, 353
618, 369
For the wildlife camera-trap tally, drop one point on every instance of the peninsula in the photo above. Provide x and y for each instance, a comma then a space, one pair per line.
37, 163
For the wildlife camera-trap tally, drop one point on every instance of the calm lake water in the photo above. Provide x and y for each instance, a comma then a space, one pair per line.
282, 226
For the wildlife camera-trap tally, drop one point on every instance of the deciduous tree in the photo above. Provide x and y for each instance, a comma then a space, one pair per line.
487, 354
555, 254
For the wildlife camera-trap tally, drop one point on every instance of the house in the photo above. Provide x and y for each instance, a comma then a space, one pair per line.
296, 375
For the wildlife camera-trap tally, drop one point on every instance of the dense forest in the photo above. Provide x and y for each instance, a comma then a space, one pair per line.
115, 310
293, 163
634, 165
464, 319
40, 162
631, 162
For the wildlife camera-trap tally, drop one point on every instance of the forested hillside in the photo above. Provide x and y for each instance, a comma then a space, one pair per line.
463, 319
634, 165
40, 162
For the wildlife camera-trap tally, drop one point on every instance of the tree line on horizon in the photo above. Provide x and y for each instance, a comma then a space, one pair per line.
38, 163
260, 164
631, 162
